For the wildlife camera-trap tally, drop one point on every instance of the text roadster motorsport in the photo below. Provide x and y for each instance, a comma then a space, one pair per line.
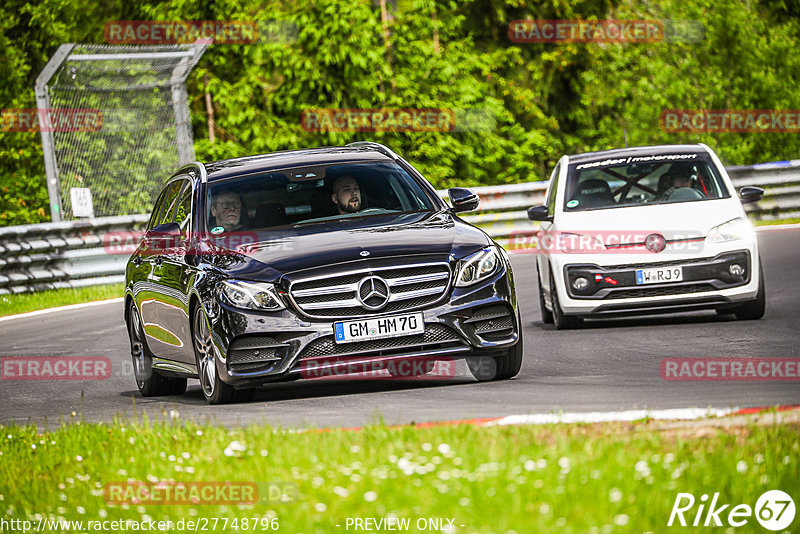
277, 266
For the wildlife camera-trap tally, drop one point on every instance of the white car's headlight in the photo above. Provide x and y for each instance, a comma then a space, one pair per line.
252, 295
477, 266
737, 228
579, 244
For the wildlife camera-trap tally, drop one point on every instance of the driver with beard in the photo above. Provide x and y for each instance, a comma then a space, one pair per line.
346, 195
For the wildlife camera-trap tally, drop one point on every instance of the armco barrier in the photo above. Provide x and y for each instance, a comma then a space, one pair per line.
63, 254
71, 254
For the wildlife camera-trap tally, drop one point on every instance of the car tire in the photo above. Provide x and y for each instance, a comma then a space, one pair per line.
547, 315
149, 382
504, 367
562, 322
509, 365
754, 309
482, 368
214, 390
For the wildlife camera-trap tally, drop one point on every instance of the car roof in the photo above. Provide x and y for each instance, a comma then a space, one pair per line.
218, 170
656, 150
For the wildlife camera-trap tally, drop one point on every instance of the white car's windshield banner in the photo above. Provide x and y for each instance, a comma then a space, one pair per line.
634, 159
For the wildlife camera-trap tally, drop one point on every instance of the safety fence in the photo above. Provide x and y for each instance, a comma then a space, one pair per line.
79, 253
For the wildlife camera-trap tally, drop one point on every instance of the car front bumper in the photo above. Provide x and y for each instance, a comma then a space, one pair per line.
613, 289
258, 347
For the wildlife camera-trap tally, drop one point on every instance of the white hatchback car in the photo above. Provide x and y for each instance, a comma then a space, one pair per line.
646, 230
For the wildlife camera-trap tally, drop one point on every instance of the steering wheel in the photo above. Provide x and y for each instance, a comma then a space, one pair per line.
686, 193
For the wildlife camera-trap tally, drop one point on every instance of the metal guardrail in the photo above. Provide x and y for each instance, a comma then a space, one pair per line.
73, 254
63, 254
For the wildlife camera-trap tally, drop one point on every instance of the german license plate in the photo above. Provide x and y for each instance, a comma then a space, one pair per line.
659, 275
379, 328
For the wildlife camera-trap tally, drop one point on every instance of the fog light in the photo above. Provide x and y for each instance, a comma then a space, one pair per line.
580, 283
736, 269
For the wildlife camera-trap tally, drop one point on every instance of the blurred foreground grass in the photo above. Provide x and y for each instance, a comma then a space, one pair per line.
613, 477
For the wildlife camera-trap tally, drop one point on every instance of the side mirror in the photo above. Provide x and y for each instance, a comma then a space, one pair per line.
463, 199
163, 230
750, 194
539, 213
163, 237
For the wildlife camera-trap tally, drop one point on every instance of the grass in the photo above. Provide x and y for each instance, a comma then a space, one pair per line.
792, 220
601, 478
25, 302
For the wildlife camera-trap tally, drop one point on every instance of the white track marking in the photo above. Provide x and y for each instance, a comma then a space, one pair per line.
604, 417
61, 308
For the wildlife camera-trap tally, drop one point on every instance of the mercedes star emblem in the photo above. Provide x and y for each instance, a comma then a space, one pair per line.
373, 293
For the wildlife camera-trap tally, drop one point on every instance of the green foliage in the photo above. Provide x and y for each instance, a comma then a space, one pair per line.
546, 99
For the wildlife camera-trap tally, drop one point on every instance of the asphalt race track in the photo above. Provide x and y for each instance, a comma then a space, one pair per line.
606, 365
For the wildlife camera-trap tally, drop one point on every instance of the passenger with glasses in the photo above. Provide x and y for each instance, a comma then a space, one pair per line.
226, 207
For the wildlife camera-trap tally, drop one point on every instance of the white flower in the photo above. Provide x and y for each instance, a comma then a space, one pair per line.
621, 519
444, 449
320, 507
615, 495
79, 458
741, 467
234, 448
427, 447
370, 496
530, 465
642, 468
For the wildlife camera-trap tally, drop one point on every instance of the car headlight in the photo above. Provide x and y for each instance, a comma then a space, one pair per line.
579, 244
477, 266
251, 295
737, 228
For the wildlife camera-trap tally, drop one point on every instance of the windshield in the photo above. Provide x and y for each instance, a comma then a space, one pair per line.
306, 195
612, 183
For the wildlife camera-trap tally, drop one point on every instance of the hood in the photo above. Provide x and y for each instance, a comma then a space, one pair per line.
680, 220
285, 250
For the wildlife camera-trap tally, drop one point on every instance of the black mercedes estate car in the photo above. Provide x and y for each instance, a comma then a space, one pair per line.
279, 266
